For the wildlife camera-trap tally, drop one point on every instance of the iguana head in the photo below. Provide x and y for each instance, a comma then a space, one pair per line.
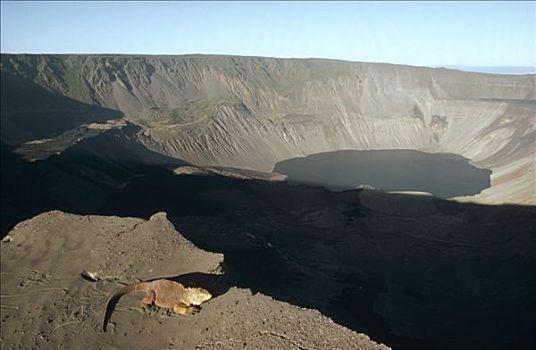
197, 296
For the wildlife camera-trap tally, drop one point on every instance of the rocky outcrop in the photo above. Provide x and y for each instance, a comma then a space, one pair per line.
251, 112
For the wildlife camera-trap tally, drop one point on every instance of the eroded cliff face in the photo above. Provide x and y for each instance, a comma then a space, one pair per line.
250, 112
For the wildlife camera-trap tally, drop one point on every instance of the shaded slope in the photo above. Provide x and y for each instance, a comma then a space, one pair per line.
412, 272
31, 112
79, 179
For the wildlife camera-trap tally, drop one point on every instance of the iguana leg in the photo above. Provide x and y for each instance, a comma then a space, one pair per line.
147, 301
182, 309
150, 300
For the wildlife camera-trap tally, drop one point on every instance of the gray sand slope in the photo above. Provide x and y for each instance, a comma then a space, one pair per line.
46, 303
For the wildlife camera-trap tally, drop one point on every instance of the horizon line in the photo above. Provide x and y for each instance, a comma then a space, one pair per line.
436, 65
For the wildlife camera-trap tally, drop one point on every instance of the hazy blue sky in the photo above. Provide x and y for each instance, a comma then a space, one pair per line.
438, 33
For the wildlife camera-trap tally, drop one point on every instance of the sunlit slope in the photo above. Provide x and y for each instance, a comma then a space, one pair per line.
252, 112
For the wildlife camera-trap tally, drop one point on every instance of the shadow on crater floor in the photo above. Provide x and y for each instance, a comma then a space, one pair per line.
412, 272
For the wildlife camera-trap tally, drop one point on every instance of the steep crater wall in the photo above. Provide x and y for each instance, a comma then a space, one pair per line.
251, 112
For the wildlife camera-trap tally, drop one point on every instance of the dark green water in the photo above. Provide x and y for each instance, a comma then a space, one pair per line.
444, 175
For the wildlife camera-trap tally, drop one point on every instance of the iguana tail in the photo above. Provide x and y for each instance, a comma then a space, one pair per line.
141, 287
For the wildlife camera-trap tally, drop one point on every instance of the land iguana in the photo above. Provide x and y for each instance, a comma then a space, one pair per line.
162, 293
